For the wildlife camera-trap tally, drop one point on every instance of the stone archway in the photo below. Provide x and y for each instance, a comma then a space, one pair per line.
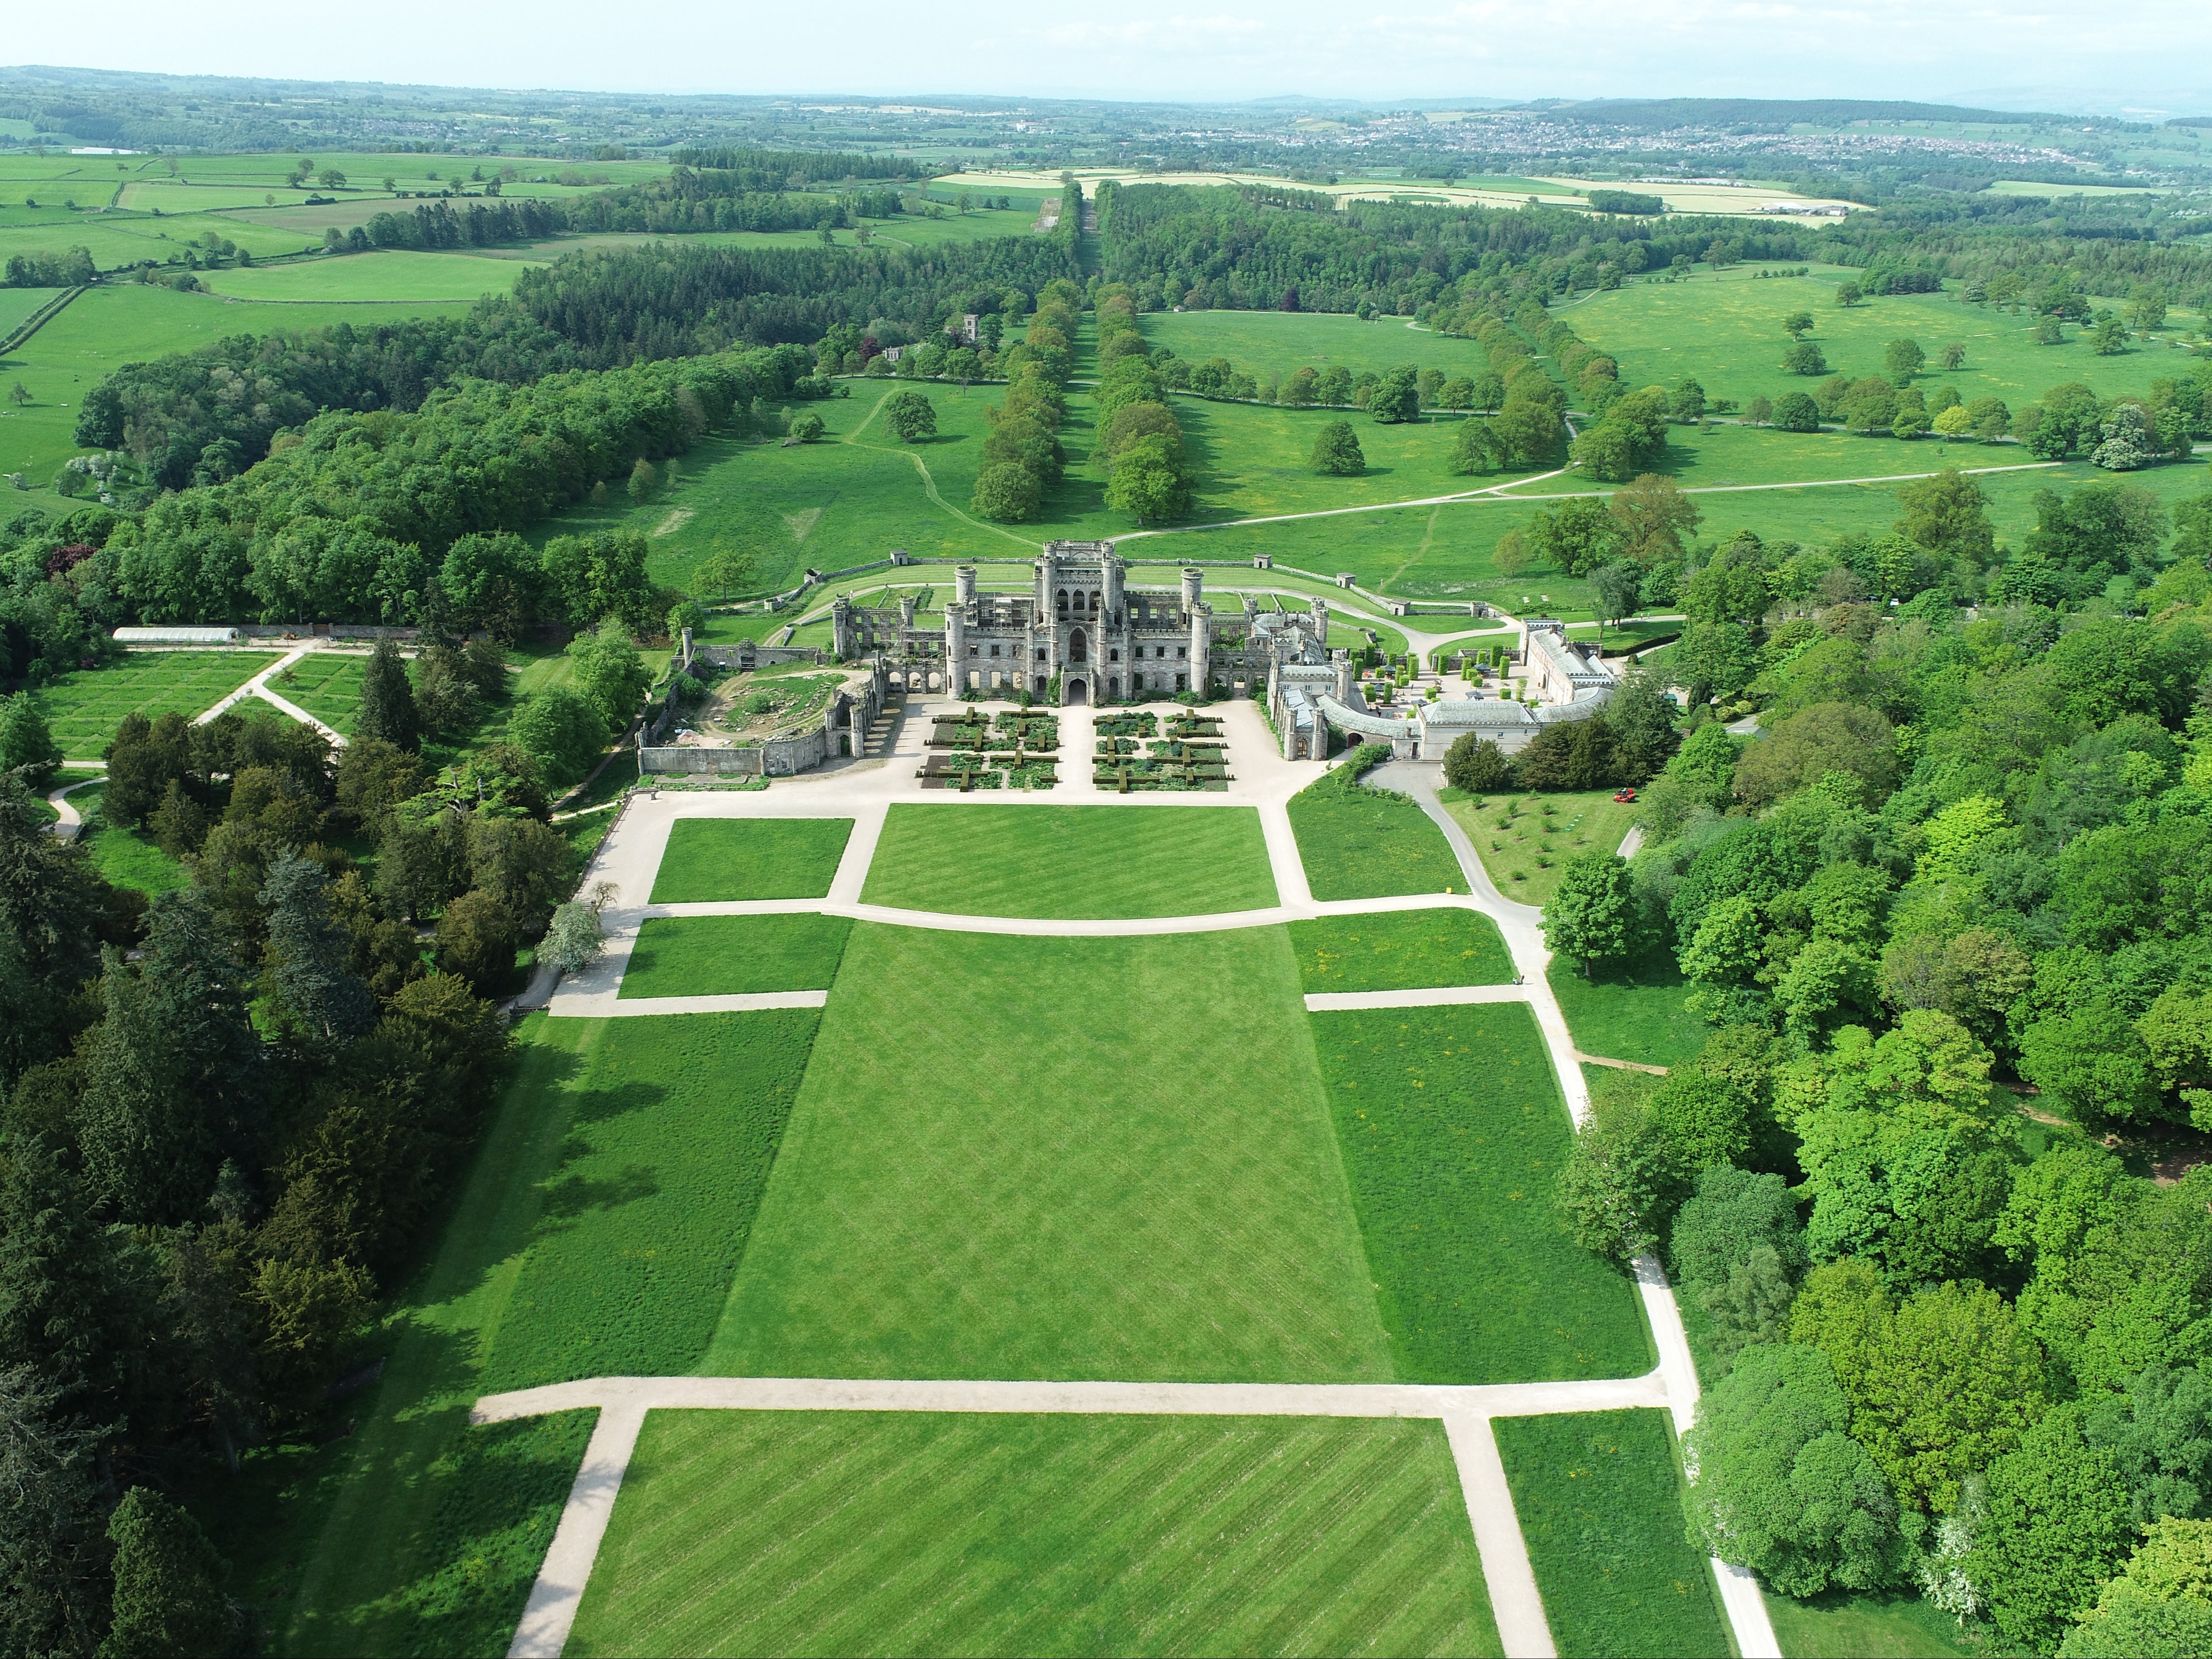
1079, 647
1079, 693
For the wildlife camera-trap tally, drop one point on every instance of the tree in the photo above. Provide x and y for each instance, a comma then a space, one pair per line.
2057, 1526
576, 939
1903, 359
725, 567
610, 672
1795, 411
1736, 1247
168, 1597
2160, 1605
477, 940
1576, 536
1640, 722
1823, 739
1397, 398
1653, 517
1619, 589
1804, 357
1008, 492
315, 982
53, 1575
2092, 1065
1952, 357
2159, 1429
1760, 411
1849, 295
1149, 481
1475, 448
1948, 515
1687, 401
25, 742
1336, 451
808, 429
910, 417
1797, 325
1592, 913
1477, 765
561, 729
1780, 1488
2108, 337
1620, 1180
388, 714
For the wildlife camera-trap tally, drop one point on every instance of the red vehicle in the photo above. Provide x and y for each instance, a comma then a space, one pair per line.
1625, 796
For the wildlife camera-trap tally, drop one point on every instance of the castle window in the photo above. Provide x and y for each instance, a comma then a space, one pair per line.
1183, 651
1040, 654
1114, 653
975, 650
994, 650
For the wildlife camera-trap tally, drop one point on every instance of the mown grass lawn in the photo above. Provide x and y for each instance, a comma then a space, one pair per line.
734, 956
1526, 841
1072, 861
859, 1532
1597, 1493
1452, 1135
83, 709
722, 859
1842, 1626
1630, 1010
1059, 1157
613, 1192
1400, 951
1358, 842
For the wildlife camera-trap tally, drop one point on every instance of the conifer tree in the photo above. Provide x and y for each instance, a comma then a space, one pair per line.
387, 701
168, 1602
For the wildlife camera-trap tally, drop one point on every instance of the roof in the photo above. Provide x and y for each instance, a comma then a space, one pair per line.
1475, 714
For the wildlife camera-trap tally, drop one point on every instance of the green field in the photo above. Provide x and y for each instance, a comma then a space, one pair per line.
1842, 1626
601, 1217
1541, 834
1629, 1011
392, 276
1728, 333
126, 857
1068, 862
1453, 1133
1400, 951
1257, 341
850, 1533
83, 709
1597, 1495
1359, 843
1057, 1158
734, 956
709, 859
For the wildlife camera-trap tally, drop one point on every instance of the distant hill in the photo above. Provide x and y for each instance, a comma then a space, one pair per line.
1664, 113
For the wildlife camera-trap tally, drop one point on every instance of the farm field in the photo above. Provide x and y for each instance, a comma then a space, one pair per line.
1595, 1492
390, 275
1543, 833
839, 1533
1727, 332
734, 956
993, 1170
1629, 1011
83, 709
611, 1194
18, 303
1072, 861
1453, 1132
723, 858
1399, 951
1359, 843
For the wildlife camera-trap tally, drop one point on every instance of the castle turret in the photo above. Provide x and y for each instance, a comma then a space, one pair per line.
963, 585
1047, 580
840, 627
1111, 564
1201, 637
955, 644
906, 602
1194, 584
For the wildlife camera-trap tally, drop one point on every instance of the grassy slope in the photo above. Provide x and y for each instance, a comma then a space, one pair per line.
83, 709
844, 1532
605, 1211
393, 275
1007, 1161
1629, 1011
1845, 1626
1399, 951
1072, 861
1526, 858
734, 956
1360, 843
1258, 341
722, 859
1596, 1494
1453, 1133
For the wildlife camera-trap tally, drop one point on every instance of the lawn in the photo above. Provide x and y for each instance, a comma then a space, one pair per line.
1540, 834
1452, 1135
1400, 951
1842, 1626
393, 275
126, 857
1259, 341
83, 709
1630, 1010
1728, 334
734, 956
611, 1199
1358, 842
860, 1532
327, 686
1067, 862
708, 860
1058, 1158
1597, 1495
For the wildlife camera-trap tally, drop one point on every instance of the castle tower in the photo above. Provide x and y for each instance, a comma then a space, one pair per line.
1048, 581
956, 642
1194, 584
1201, 636
1110, 563
963, 585
841, 628
906, 602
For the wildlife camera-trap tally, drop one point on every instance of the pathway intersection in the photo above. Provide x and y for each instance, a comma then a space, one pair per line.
864, 791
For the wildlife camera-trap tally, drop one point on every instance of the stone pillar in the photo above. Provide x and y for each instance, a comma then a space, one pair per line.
963, 585
1112, 568
1201, 640
841, 628
1343, 661
1047, 582
955, 646
906, 602
1193, 585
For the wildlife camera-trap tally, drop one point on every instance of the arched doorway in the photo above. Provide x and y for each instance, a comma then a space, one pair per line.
1078, 694
1079, 647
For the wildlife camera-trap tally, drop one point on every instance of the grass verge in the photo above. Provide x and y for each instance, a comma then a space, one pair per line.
1630, 1010
734, 956
1400, 951
1452, 1135
718, 859
1598, 1494
1009, 1161
1064, 862
1847, 1626
1358, 842
846, 1532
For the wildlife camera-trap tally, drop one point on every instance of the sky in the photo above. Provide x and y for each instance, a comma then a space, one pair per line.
2155, 56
